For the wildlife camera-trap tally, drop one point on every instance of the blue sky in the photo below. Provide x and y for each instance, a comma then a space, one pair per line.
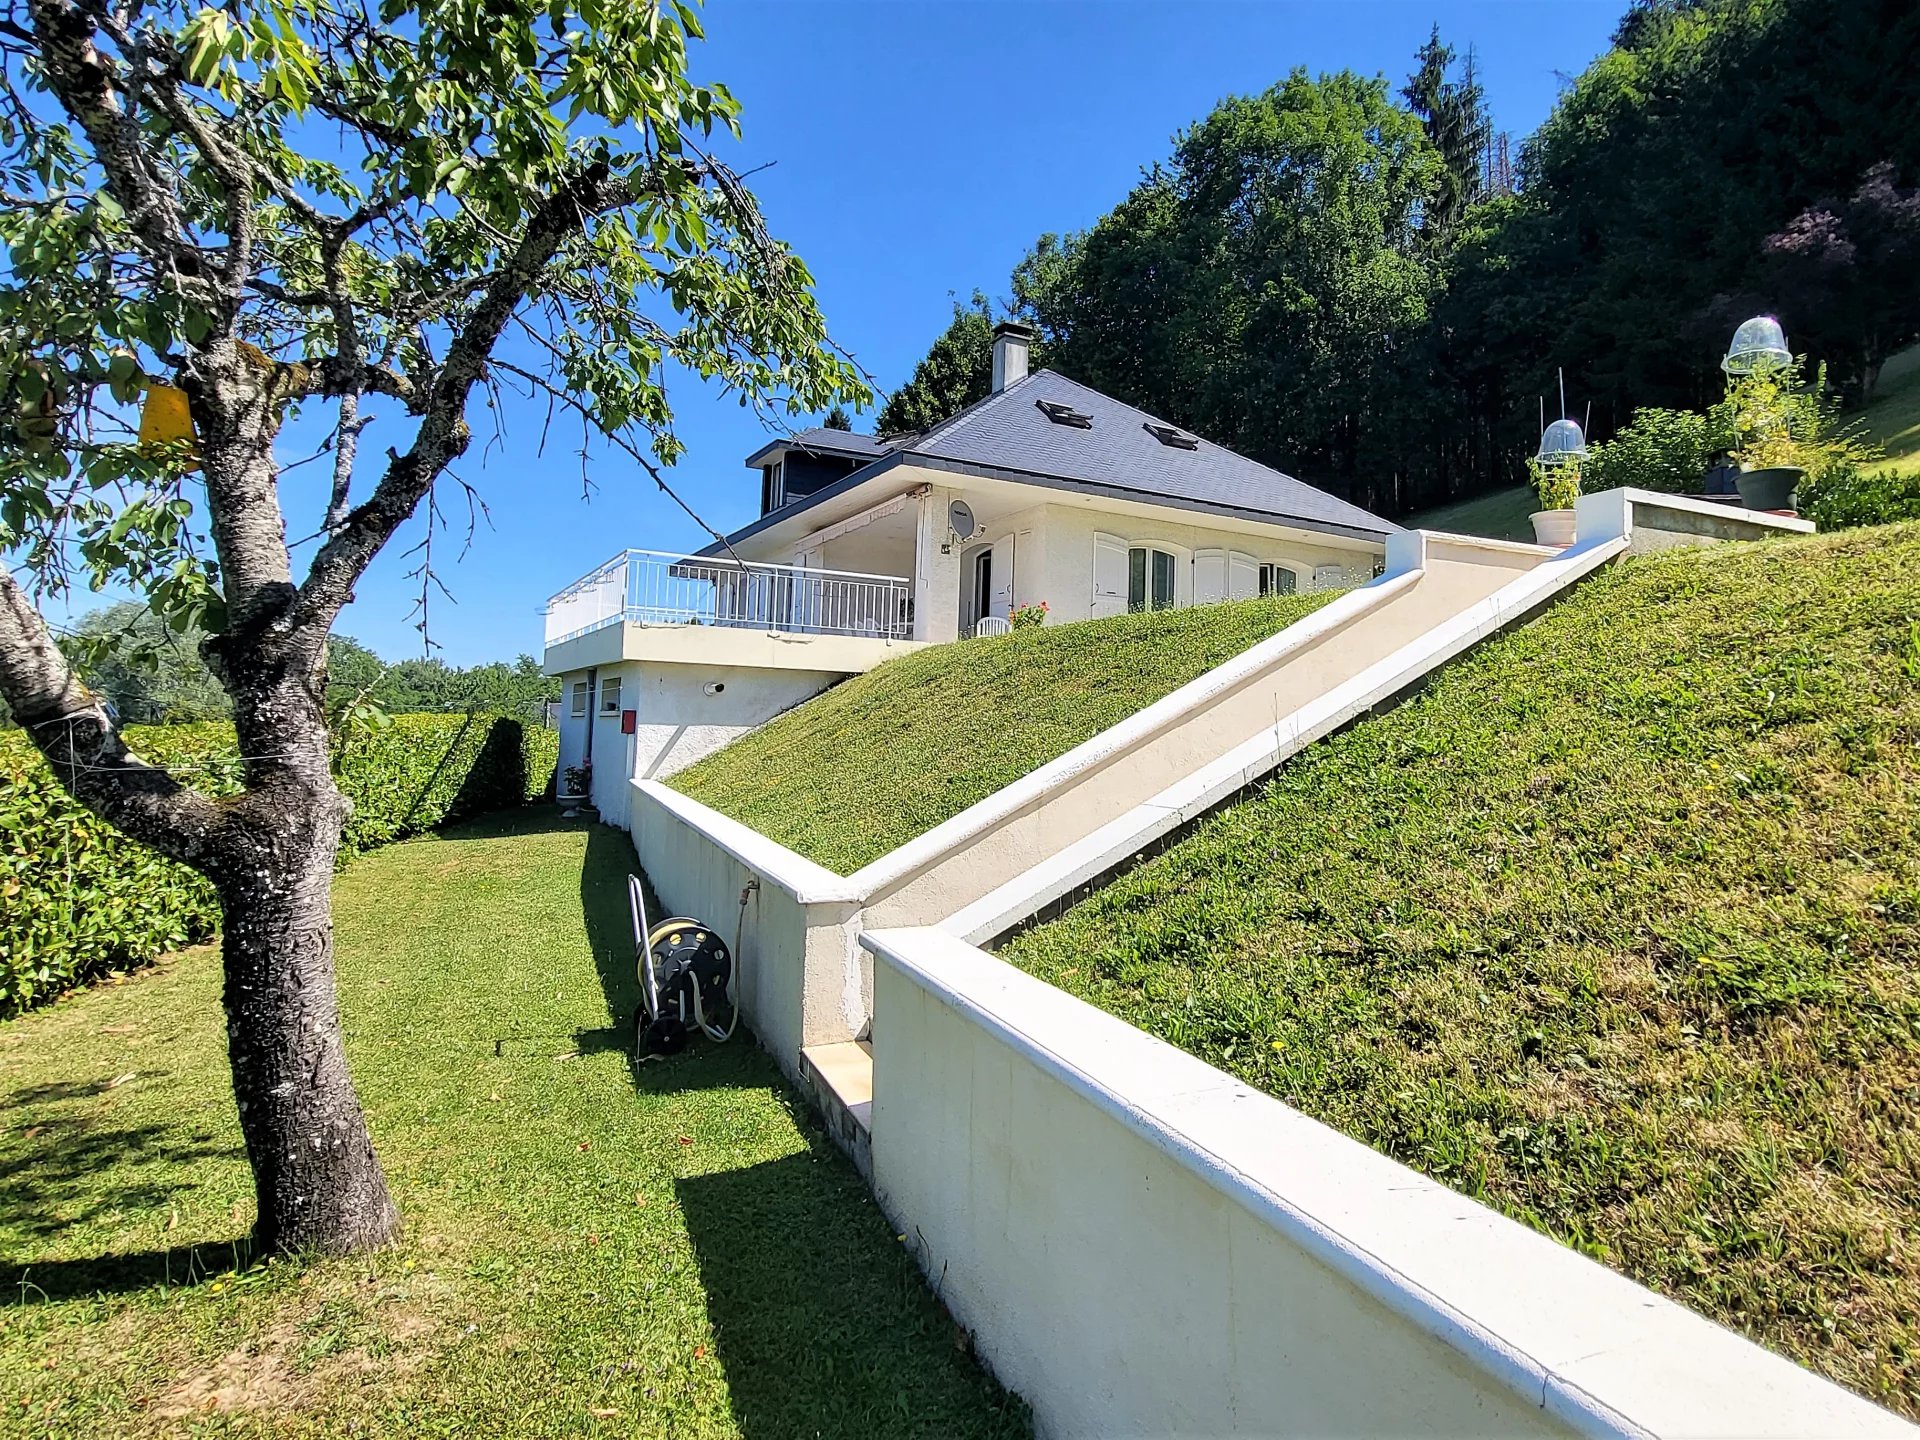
917, 149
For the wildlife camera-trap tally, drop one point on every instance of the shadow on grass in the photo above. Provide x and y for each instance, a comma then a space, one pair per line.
821, 1321
66, 1172
44, 1282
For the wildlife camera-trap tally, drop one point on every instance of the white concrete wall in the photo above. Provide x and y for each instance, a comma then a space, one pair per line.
679, 721
1007, 835
1143, 1246
799, 976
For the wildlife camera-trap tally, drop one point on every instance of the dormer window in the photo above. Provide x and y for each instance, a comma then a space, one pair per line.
1065, 414
1171, 435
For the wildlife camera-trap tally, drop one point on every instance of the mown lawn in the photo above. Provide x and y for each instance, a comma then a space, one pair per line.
584, 1255
886, 756
1501, 515
1893, 419
1615, 927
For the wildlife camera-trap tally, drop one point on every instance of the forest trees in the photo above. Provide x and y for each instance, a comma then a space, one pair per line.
1387, 333
1262, 286
378, 210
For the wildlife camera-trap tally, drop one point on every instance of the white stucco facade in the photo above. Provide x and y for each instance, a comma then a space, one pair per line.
1075, 552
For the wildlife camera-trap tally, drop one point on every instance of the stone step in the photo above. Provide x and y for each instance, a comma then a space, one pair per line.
841, 1079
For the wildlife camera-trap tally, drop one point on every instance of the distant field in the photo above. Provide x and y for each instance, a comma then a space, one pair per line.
1893, 419
1499, 516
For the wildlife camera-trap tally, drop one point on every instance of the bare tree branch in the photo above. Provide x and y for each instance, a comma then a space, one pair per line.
83, 80
443, 432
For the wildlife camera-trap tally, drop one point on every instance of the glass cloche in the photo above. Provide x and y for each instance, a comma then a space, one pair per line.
1759, 344
1562, 444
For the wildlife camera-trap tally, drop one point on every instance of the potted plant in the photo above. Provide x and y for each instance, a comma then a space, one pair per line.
579, 782
1766, 410
1557, 486
1026, 616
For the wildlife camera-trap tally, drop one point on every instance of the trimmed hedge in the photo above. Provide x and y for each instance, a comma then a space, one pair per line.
77, 897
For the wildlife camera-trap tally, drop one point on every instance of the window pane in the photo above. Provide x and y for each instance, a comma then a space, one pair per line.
1136, 579
1276, 580
1162, 580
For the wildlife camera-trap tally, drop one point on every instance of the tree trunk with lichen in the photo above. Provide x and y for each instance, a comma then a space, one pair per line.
317, 1181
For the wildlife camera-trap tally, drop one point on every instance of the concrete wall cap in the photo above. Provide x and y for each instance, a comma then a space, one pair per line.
807, 882
1596, 1350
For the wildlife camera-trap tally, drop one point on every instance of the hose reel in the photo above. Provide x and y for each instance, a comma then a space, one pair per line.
686, 975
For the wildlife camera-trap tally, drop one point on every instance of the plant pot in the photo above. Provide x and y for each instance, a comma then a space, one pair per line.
1553, 527
1770, 489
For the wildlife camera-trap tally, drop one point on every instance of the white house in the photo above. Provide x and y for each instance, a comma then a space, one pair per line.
868, 547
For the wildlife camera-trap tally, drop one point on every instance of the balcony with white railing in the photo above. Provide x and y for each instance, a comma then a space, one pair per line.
660, 588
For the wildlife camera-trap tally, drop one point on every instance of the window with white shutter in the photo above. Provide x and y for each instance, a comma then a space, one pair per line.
1109, 575
1209, 576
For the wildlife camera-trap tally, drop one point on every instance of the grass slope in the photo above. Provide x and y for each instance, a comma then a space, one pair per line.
1502, 515
1893, 419
581, 1258
886, 756
1615, 927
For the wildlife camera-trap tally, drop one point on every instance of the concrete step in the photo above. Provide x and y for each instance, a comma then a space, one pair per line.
840, 1077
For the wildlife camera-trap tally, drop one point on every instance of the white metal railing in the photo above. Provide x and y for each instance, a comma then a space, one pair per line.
655, 587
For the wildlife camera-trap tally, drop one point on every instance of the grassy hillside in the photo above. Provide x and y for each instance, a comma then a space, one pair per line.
1893, 419
1616, 927
890, 754
1502, 515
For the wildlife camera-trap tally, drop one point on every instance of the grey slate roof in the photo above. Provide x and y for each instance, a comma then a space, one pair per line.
823, 442
1008, 431
1007, 435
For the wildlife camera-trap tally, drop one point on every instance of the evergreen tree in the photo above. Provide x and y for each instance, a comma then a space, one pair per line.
1453, 112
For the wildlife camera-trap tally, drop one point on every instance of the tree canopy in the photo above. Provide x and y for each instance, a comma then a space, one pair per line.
1260, 285
1323, 278
956, 371
246, 212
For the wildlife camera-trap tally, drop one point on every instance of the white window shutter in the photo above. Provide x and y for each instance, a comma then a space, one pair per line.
1329, 577
1109, 574
1243, 576
1209, 576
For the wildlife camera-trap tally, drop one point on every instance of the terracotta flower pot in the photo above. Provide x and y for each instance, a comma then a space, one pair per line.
1770, 489
1553, 527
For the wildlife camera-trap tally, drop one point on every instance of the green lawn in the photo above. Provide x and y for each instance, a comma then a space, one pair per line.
584, 1255
886, 756
1893, 418
1502, 515
1616, 927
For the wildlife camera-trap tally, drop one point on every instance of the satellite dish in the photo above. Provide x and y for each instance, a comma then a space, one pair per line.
960, 517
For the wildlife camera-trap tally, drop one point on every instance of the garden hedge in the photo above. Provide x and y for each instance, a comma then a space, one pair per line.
77, 897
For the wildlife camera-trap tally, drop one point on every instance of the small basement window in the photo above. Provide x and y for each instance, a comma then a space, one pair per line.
1065, 414
1171, 435
579, 698
610, 696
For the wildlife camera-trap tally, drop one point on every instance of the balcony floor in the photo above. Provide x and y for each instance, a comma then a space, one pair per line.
721, 645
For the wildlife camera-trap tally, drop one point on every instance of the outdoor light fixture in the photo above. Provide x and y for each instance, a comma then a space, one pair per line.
1758, 345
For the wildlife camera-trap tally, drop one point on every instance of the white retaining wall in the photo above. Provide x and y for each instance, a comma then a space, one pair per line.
1143, 1246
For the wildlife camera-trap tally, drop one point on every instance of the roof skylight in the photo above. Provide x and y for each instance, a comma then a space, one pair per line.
1061, 414
1170, 435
